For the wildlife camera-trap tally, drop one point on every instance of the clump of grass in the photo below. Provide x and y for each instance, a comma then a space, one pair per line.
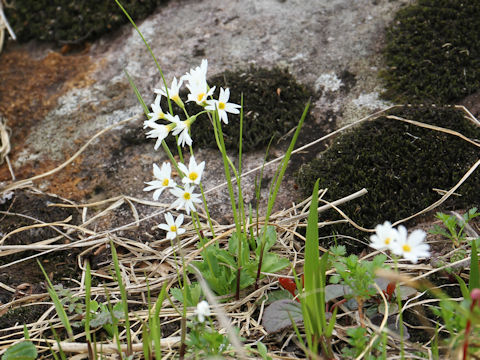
432, 54
399, 164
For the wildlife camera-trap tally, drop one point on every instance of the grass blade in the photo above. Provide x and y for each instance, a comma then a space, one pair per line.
62, 314
474, 282
123, 294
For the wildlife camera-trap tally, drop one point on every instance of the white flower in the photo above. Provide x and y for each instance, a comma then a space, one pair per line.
197, 84
202, 310
185, 198
158, 131
172, 91
200, 93
163, 180
197, 76
222, 105
384, 236
182, 128
412, 247
193, 175
157, 112
172, 227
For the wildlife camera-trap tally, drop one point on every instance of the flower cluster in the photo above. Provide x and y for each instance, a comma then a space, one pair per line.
410, 247
186, 198
161, 124
200, 93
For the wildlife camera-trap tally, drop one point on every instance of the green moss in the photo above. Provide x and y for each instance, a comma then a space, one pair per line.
66, 21
273, 103
433, 52
399, 164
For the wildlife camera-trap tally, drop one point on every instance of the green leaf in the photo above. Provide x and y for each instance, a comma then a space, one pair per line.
194, 292
270, 239
272, 263
24, 350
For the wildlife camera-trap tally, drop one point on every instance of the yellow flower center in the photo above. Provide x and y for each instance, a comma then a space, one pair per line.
200, 97
407, 248
387, 241
165, 182
186, 196
193, 176
161, 116
221, 106
173, 228
175, 98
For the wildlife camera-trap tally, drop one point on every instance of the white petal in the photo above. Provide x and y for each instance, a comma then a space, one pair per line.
164, 227
169, 219
179, 220
157, 193
171, 235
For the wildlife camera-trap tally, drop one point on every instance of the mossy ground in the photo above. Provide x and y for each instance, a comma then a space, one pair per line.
65, 21
273, 103
433, 52
399, 164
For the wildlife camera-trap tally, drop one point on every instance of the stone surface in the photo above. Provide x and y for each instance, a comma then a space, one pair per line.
55, 101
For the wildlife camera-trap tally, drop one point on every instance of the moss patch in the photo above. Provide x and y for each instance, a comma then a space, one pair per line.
399, 164
433, 52
273, 103
66, 21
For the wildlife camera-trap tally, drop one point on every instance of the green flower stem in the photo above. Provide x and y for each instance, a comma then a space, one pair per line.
206, 210
197, 226
226, 162
179, 150
170, 156
183, 322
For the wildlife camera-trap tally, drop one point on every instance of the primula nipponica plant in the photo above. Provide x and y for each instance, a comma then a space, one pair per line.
245, 266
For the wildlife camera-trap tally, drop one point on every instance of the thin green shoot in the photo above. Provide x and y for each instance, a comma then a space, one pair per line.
137, 93
123, 294
474, 281
258, 186
155, 327
150, 51
57, 339
62, 314
204, 199
50, 349
88, 288
116, 333
312, 293
26, 334
278, 182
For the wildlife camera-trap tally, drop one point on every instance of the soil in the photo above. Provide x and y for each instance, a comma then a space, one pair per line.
25, 277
